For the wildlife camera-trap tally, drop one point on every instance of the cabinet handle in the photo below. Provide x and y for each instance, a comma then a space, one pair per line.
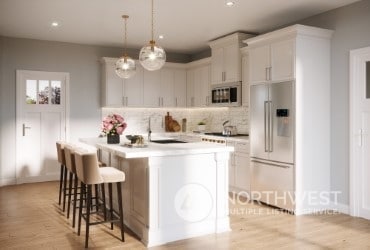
159, 101
123, 100
224, 76
24, 129
126, 100
192, 102
176, 101
270, 73
162, 101
266, 73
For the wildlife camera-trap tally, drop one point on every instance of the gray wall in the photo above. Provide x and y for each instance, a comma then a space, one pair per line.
81, 61
351, 25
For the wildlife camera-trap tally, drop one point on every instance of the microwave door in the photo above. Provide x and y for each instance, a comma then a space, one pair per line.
281, 143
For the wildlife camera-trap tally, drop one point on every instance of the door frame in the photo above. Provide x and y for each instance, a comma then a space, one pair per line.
20, 75
356, 58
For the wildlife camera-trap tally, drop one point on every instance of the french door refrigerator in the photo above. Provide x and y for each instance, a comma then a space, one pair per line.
272, 143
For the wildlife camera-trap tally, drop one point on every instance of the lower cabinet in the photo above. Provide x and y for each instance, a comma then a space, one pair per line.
239, 168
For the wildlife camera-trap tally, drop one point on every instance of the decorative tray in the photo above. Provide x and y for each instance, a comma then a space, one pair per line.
135, 145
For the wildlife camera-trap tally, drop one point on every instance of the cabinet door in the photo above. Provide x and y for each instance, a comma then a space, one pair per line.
245, 80
190, 88
180, 88
201, 86
133, 89
242, 172
282, 60
152, 88
259, 59
167, 87
112, 86
217, 65
232, 65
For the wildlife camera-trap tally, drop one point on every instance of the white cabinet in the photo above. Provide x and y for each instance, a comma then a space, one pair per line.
152, 88
133, 89
116, 91
198, 84
239, 167
245, 77
180, 87
161, 88
272, 62
226, 59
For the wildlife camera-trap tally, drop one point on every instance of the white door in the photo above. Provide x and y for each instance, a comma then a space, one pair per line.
360, 133
41, 121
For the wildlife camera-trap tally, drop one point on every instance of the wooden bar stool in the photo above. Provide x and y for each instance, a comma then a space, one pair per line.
63, 172
89, 173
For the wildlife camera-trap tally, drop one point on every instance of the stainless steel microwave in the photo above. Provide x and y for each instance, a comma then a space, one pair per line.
226, 94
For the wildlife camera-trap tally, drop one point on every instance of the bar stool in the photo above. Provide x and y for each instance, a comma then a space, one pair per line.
63, 172
71, 167
89, 174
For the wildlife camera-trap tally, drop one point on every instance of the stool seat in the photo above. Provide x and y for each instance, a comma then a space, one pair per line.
110, 174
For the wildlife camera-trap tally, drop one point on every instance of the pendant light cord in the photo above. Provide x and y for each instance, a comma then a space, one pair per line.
125, 41
152, 20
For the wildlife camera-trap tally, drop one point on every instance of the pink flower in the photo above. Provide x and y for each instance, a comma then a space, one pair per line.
113, 124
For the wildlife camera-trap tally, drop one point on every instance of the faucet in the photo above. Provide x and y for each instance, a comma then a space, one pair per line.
149, 131
225, 122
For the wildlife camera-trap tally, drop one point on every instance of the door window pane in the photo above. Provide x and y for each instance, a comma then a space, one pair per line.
55, 92
31, 91
367, 79
43, 92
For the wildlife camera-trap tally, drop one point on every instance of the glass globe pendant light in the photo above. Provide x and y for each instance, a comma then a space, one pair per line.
125, 66
152, 56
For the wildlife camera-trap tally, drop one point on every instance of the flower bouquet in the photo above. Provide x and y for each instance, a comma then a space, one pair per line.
113, 126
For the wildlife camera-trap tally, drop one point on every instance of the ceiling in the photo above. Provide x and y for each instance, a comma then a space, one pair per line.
187, 25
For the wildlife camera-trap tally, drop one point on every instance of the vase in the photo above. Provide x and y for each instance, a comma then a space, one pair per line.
113, 139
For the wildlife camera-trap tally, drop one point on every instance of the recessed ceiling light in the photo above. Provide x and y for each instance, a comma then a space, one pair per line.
230, 3
54, 24
161, 36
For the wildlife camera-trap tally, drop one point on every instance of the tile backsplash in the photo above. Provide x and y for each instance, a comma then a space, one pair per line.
137, 119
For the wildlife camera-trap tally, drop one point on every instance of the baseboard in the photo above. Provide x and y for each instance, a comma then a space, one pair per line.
340, 207
7, 182
43, 178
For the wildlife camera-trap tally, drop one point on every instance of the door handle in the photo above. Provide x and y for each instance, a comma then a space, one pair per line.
265, 125
24, 129
271, 130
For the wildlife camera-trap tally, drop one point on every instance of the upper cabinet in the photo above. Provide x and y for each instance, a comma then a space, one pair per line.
245, 76
198, 83
272, 61
162, 88
226, 58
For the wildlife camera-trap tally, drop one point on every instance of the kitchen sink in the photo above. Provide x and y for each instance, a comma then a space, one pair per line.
168, 141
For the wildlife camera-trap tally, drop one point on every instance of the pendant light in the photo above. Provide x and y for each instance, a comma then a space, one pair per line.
125, 66
152, 56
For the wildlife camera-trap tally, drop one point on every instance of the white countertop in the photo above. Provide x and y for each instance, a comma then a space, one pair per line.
157, 149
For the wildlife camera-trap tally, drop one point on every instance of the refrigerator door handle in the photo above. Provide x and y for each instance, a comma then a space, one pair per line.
280, 165
271, 126
265, 123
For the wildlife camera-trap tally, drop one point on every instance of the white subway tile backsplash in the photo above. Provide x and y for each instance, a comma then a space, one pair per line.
138, 118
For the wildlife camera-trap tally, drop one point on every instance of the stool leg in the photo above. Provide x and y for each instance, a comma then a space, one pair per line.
80, 208
119, 193
64, 189
75, 185
61, 183
110, 204
69, 193
96, 197
104, 205
88, 208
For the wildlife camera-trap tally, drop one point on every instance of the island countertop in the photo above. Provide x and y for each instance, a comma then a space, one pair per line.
156, 149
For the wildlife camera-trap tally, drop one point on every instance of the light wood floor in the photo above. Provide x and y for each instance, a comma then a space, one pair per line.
30, 218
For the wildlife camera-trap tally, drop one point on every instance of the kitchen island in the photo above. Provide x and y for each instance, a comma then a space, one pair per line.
172, 191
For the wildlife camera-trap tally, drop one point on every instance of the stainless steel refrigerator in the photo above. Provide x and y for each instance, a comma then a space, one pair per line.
272, 143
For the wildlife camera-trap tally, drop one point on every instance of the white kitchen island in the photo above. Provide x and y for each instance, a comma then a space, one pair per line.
172, 191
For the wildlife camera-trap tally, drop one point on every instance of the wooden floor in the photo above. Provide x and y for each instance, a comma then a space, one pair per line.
30, 218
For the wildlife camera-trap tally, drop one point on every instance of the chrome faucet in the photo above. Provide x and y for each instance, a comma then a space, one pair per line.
225, 122
149, 131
